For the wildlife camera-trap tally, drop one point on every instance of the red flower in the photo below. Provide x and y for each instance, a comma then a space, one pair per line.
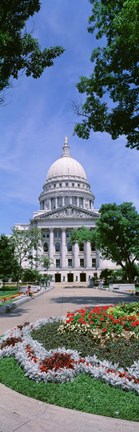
57, 361
134, 323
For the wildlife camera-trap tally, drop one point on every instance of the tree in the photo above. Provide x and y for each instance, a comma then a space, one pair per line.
24, 242
19, 51
116, 236
45, 261
83, 234
106, 275
8, 262
111, 91
31, 275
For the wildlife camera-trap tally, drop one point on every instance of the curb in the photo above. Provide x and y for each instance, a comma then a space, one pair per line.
9, 308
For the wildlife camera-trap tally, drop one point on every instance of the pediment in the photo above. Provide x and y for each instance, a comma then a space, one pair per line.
68, 212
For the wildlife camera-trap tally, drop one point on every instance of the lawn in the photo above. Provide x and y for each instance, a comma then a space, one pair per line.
8, 292
84, 332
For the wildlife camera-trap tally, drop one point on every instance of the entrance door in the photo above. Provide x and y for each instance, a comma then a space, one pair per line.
70, 277
82, 277
57, 277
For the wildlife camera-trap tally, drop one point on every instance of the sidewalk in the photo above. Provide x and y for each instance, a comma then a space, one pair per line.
22, 414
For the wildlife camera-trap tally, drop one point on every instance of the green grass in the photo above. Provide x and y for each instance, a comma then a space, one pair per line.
84, 393
7, 292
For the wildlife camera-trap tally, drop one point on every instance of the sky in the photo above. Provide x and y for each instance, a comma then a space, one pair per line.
38, 114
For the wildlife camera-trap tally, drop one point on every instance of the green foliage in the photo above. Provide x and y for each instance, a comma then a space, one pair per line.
117, 236
119, 351
82, 234
24, 241
106, 275
8, 262
111, 91
31, 275
19, 51
45, 262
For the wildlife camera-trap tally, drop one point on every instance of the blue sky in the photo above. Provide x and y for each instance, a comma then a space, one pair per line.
37, 114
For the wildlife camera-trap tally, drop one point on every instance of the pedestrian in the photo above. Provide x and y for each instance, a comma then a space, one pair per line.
29, 291
101, 284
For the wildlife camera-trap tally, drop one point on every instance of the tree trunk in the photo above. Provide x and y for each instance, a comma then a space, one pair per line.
131, 271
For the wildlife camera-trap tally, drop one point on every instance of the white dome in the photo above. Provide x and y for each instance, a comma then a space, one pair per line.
66, 166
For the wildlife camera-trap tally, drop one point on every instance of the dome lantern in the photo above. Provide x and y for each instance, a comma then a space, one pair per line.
66, 148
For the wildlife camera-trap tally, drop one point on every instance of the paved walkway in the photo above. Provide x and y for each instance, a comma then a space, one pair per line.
22, 414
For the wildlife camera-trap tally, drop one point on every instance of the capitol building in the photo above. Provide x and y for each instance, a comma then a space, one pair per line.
66, 202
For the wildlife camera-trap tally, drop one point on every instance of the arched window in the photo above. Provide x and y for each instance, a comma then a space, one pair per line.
57, 247
81, 247
45, 247
69, 247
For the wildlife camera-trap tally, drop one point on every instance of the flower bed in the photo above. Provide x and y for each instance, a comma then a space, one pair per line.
104, 322
10, 298
61, 365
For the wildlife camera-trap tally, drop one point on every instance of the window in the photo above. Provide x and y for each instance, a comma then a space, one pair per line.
59, 201
45, 247
52, 203
57, 247
92, 247
57, 263
74, 200
76, 278
93, 262
81, 262
72, 184
68, 233
78, 184
81, 247
80, 202
69, 247
67, 199
60, 184
69, 262
57, 233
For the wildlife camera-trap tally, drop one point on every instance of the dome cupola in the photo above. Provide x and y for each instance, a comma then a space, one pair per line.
66, 166
66, 183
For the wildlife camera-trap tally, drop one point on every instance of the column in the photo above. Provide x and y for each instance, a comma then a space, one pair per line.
63, 249
51, 248
77, 201
97, 259
88, 255
76, 255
